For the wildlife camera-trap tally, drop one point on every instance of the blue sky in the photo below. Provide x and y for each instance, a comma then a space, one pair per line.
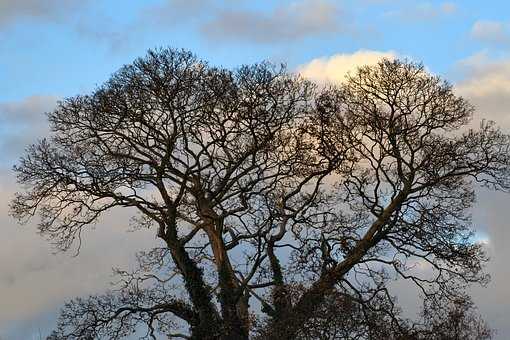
51, 49
63, 50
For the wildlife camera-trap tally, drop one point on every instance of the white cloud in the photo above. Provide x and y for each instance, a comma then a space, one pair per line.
333, 69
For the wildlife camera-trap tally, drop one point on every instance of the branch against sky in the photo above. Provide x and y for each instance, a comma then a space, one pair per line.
259, 181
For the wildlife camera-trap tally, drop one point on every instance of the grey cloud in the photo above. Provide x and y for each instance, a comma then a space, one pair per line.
79, 16
492, 214
171, 12
424, 11
26, 110
232, 21
26, 258
121, 36
217, 21
292, 22
495, 33
47, 10
115, 39
21, 123
225, 20
486, 83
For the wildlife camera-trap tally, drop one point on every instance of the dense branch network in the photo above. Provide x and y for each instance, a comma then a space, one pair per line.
274, 198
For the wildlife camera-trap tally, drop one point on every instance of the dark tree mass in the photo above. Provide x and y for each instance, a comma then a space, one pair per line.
284, 209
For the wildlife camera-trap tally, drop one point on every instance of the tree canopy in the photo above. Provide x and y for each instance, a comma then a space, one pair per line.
274, 198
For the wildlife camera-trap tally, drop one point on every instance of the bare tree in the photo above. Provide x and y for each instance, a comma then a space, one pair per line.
454, 320
257, 182
341, 316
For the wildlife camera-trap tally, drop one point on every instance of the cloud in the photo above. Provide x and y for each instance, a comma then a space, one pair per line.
44, 10
78, 16
447, 8
21, 123
239, 21
171, 12
491, 32
492, 212
486, 83
293, 22
216, 21
26, 109
424, 11
334, 69
377, 2
33, 280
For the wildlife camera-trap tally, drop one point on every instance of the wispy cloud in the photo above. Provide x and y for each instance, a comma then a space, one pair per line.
224, 21
27, 109
237, 21
172, 12
44, 10
491, 32
424, 11
296, 21
77, 16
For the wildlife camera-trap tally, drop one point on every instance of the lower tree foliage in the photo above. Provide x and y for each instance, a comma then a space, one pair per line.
284, 209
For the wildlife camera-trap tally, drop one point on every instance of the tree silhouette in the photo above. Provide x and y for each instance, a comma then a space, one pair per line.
272, 195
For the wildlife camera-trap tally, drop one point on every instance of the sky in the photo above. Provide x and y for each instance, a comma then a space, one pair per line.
52, 49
